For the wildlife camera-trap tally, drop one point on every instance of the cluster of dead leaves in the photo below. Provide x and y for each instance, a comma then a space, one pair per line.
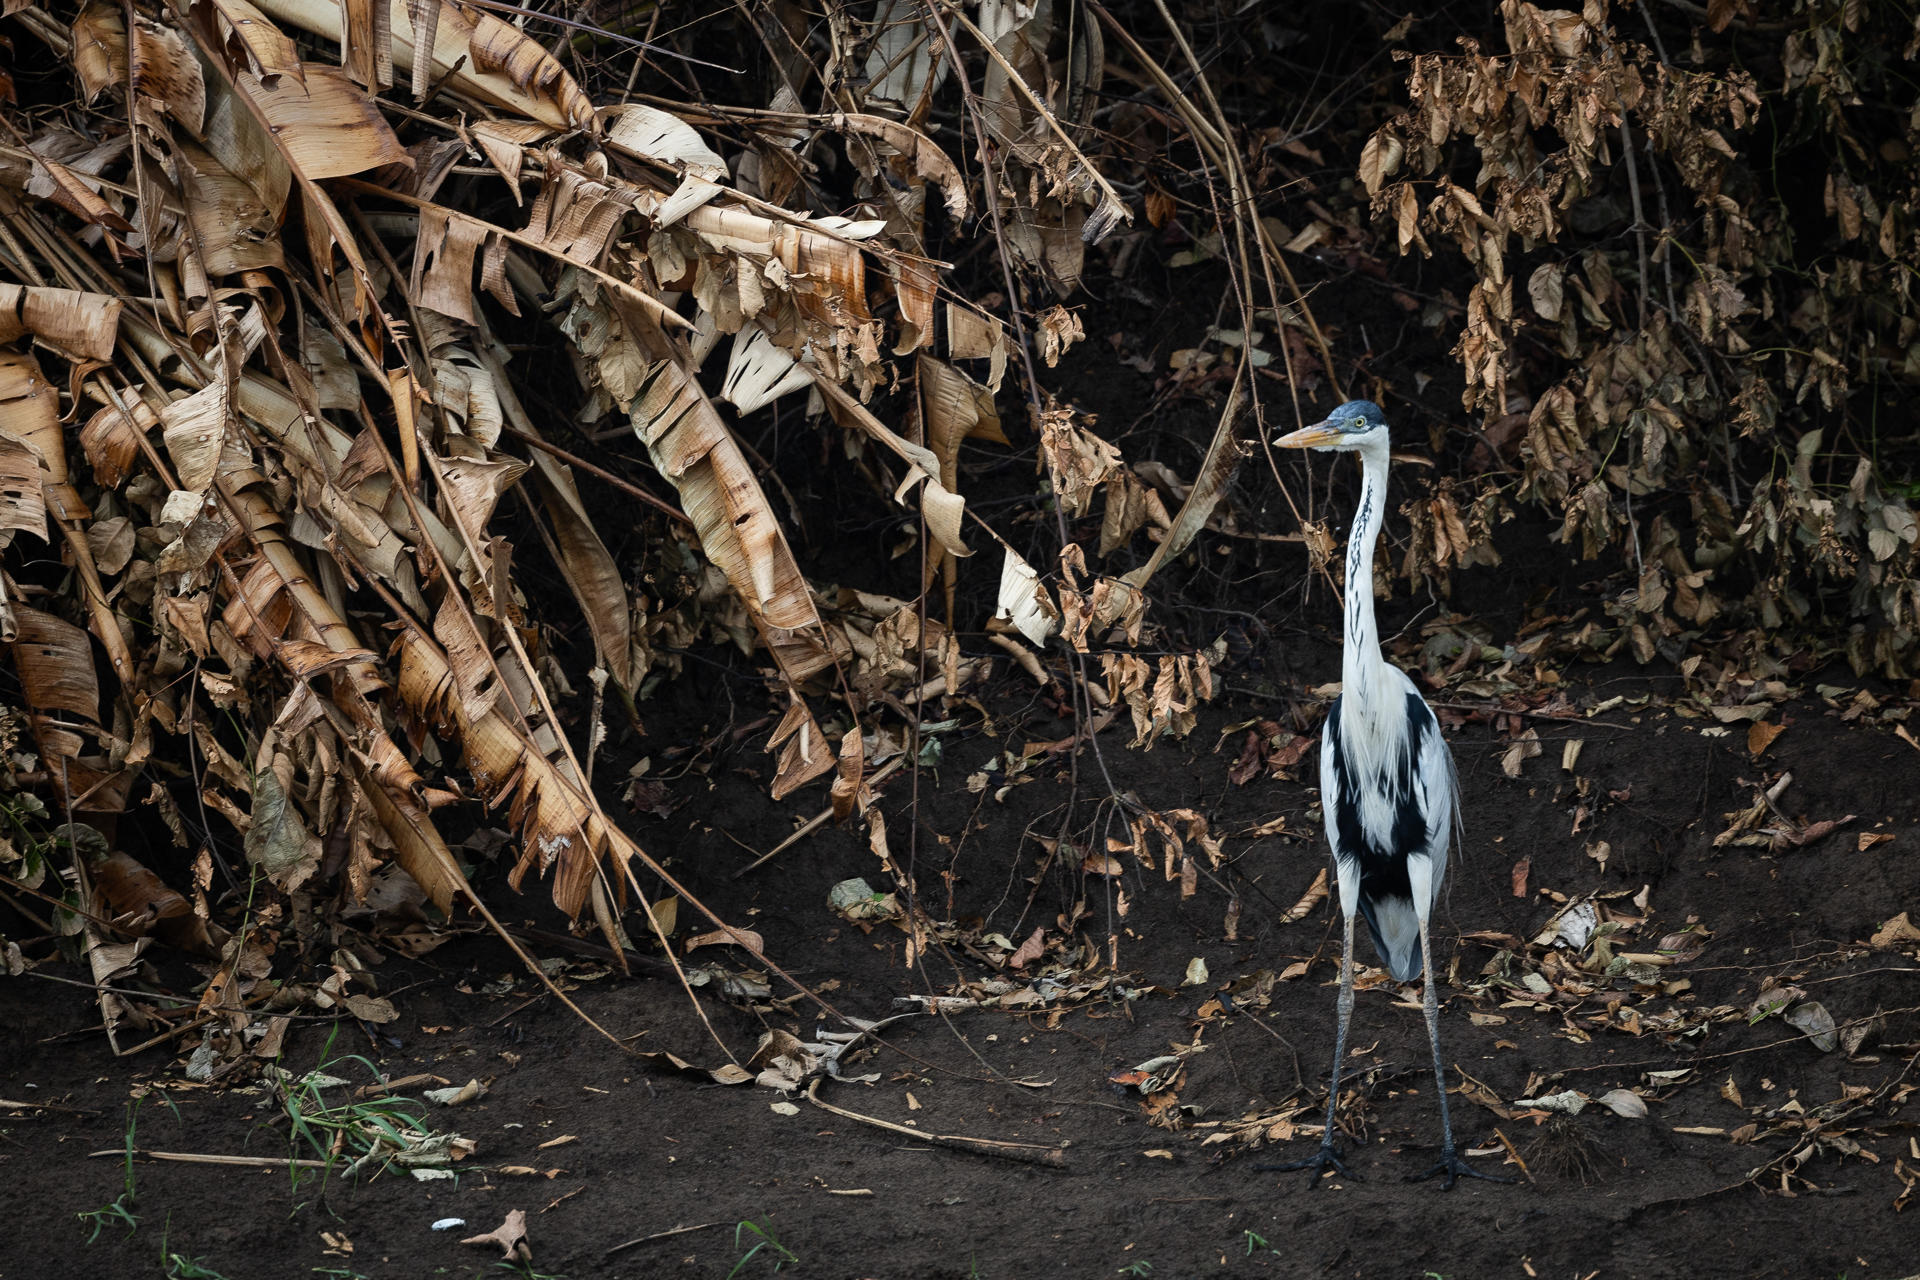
1676, 361
287, 312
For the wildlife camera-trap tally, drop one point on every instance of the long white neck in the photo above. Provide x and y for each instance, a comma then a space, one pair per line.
1362, 667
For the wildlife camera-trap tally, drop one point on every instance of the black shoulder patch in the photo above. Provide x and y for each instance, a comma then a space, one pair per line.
1381, 857
1409, 821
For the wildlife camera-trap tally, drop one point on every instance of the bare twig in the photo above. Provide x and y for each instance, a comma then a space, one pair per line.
196, 1157
660, 1235
1023, 1152
817, 821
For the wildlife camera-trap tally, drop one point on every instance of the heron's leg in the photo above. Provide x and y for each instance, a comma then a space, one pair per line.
1451, 1165
1328, 1156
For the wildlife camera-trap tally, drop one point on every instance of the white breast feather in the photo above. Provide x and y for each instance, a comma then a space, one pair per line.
1373, 740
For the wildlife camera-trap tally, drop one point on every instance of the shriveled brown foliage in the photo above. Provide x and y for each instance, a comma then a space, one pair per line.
1666, 340
278, 264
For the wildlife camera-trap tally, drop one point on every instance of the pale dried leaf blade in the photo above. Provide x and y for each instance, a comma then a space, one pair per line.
472, 51
691, 446
759, 371
738, 530
166, 73
956, 407
1316, 894
692, 193
99, 48
1024, 601
1223, 457
268, 49
195, 432
927, 159
849, 787
327, 126
1523, 748
905, 62
237, 231
500, 47
417, 844
23, 504
590, 570
561, 831
55, 663
443, 256
424, 17
85, 325
834, 266
666, 138
366, 43
804, 753
473, 488
505, 143
74, 193
30, 411
467, 658
1624, 1102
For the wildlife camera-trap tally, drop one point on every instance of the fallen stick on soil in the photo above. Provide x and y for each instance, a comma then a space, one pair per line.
404, 1082
1086, 734
181, 1001
194, 1157
658, 1235
816, 822
1032, 665
10, 1105
1024, 1152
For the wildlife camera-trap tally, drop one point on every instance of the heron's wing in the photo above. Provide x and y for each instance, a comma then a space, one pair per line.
1346, 868
1436, 792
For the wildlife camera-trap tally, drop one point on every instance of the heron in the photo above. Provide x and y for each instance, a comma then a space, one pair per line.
1388, 790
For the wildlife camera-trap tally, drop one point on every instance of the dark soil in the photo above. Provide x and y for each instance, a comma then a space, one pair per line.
641, 1153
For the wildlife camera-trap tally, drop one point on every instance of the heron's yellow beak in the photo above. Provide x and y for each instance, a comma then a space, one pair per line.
1312, 437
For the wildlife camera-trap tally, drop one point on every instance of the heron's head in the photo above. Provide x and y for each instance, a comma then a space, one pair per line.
1354, 425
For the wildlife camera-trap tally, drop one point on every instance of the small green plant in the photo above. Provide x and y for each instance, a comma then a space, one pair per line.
360, 1132
524, 1269
183, 1268
1256, 1241
120, 1211
776, 1253
1142, 1268
115, 1214
176, 1266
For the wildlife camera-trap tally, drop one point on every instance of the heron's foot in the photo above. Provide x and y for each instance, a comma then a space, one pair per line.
1327, 1157
1452, 1167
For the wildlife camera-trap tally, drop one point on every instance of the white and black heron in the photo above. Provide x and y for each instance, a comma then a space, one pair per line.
1387, 788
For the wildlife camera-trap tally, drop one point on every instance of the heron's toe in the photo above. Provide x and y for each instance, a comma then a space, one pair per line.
1326, 1158
1452, 1167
